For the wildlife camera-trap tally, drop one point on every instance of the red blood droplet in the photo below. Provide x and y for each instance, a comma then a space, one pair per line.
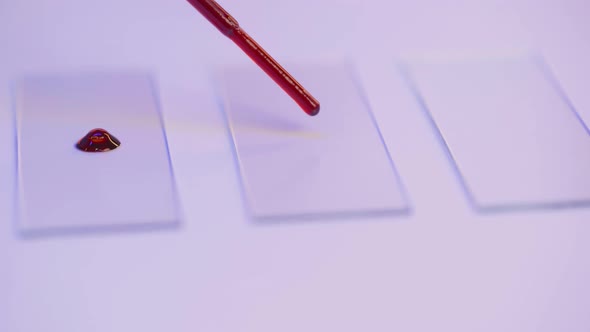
98, 140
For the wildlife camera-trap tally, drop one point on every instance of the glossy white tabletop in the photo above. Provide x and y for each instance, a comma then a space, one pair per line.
445, 267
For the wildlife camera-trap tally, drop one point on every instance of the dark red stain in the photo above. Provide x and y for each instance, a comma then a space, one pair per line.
98, 140
225, 23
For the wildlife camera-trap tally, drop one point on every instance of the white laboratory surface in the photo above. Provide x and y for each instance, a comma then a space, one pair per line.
444, 266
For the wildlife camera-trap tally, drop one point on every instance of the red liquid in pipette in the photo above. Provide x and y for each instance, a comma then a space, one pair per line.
230, 27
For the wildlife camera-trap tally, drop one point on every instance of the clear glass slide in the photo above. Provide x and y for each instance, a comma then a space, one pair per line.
512, 135
296, 166
61, 187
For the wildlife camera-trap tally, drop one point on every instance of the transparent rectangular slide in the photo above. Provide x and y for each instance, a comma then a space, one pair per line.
62, 188
513, 137
295, 166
